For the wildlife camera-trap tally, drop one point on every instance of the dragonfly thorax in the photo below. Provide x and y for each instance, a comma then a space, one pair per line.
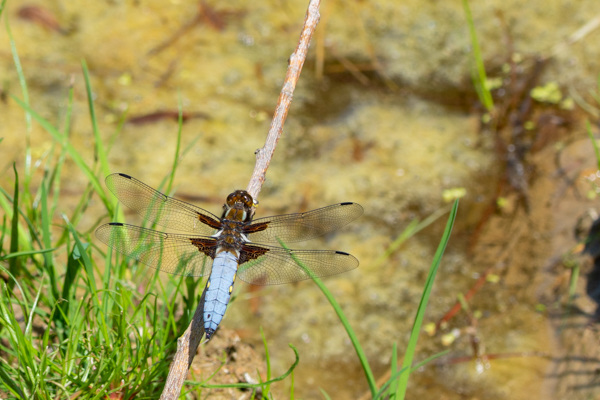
231, 236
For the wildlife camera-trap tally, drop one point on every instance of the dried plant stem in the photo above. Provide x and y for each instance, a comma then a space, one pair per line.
186, 350
189, 341
265, 154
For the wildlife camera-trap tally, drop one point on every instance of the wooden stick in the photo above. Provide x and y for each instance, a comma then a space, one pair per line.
188, 343
186, 350
296, 61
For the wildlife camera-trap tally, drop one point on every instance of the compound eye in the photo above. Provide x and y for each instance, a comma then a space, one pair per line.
248, 201
231, 198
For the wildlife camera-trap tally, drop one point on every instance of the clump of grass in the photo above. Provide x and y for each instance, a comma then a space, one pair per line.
64, 331
70, 324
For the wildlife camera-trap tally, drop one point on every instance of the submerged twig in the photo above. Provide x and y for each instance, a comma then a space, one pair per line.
189, 341
159, 115
206, 14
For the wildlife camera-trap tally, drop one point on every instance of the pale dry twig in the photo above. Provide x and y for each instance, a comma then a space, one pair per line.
189, 341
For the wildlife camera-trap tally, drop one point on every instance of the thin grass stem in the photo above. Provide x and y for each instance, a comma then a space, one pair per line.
479, 75
418, 323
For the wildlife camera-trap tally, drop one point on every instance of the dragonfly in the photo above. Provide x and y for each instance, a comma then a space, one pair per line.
226, 247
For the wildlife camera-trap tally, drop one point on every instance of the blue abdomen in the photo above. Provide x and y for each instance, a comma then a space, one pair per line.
218, 290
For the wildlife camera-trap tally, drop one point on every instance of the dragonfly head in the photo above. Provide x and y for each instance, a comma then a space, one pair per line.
238, 206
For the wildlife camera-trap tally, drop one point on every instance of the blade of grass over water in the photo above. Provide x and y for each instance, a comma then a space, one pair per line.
391, 393
177, 147
54, 171
325, 394
588, 128
479, 75
178, 154
25, 93
340, 313
414, 336
99, 144
412, 229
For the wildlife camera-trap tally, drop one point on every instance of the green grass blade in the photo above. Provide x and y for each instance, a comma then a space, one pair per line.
28, 125
177, 149
33, 307
594, 143
27, 239
54, 181
23, 84
47, 242
14, 264
414, 336
20, 74
73, 267
100, 150
266, 387
364, 362
3, 232
479, 75
387, 386
412, 229
340, 313
391, 394
26, 253
393, 372
6, 204
325, 394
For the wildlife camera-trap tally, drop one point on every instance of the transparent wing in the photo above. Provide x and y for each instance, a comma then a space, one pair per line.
162, 209
277, 265
303, 226
176, 254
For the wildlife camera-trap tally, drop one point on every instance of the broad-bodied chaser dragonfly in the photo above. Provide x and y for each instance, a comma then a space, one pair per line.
234, 244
